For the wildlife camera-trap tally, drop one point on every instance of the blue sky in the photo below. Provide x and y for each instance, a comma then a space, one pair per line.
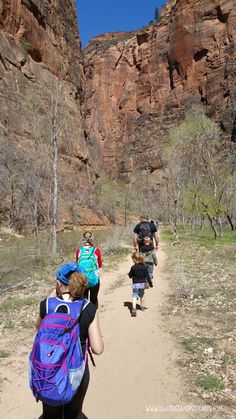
100, 16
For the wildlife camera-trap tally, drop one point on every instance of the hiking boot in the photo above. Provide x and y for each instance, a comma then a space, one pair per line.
133, 313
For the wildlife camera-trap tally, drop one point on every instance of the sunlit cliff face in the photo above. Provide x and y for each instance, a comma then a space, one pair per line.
153, 75
41, 74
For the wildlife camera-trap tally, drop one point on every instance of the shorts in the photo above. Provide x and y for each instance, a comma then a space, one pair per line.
138, 293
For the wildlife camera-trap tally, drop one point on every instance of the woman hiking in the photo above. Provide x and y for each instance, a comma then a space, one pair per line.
140, 278
89, 258
70, 286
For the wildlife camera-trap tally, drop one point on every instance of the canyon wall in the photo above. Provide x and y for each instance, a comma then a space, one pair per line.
111, 106
41, 84
139, 84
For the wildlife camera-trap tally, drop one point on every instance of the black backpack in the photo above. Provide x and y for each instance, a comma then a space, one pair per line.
145, 231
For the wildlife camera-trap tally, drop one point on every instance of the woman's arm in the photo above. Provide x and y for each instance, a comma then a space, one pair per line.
95, 337
38, 322
42, 313
99, 256
77, 255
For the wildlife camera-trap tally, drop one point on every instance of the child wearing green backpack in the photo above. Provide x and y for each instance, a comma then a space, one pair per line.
148, 252
89, 258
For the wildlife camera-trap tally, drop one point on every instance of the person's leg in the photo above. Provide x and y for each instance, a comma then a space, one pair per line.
150, 271
52, 412
134, 301
73, 410
86, 293
142, 299
94, 294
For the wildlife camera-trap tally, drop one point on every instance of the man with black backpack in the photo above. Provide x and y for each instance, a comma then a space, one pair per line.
144, 229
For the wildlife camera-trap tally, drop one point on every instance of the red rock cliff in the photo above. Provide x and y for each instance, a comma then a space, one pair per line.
137, 86
41, 71
48, 29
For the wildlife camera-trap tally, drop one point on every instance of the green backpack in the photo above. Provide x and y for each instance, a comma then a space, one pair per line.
88, 261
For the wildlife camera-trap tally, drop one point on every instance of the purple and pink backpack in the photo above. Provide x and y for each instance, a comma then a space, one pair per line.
56, 361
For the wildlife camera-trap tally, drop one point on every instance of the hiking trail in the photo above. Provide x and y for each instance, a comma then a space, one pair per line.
137, 371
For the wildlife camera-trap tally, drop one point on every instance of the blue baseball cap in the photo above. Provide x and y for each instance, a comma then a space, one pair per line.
64, 271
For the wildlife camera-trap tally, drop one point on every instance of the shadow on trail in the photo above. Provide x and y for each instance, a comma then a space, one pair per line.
128, 304
83, 416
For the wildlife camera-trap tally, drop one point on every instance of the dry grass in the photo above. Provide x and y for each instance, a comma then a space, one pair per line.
19, 307
202, 274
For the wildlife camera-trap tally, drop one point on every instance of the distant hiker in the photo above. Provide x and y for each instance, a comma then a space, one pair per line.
143, 229
147, 251
140, 278
59, 366
89, 258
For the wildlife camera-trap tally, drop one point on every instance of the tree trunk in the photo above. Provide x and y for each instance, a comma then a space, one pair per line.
36, 218
230, 221
13, 205
55, 186
212, 226
126, 210
219, 221
201, 222
175, 214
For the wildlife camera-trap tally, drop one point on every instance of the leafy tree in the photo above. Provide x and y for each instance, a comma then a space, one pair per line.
156, 14
197, 175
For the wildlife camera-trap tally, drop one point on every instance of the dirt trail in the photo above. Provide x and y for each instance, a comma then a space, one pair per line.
137, 371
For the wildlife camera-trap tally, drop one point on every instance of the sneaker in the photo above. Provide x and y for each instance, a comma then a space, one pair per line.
142, 308
133, 313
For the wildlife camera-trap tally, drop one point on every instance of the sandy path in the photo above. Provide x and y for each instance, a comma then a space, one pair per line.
137, 369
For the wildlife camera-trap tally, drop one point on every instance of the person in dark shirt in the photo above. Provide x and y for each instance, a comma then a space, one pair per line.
143, 229
140, 277
70, 286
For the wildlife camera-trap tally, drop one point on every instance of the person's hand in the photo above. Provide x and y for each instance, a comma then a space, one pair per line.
156, 247
155, 264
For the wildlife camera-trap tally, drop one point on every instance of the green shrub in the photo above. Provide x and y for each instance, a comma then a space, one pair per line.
190, 343
4, 354
210, 382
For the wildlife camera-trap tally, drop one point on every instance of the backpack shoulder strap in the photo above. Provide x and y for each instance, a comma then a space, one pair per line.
52, 303
92, 252
84, 305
